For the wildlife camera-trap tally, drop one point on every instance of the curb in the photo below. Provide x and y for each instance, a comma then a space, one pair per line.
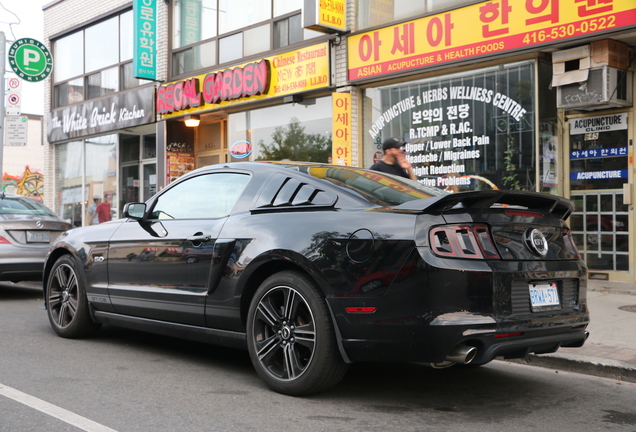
594, 366
617, 288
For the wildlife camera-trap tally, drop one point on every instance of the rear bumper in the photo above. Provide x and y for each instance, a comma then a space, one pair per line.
16, 271
433, 344
428, 312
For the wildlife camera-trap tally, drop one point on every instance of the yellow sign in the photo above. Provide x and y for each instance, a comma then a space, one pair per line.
325, 15
341, 111
332, 13
482, 29
291, 72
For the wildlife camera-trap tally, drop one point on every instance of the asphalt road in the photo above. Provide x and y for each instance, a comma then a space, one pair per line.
133, 382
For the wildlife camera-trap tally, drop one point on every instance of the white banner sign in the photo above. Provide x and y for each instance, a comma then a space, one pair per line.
604, 123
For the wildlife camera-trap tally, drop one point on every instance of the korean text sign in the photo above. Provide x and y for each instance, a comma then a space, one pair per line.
482, 29
341, 128
145, 39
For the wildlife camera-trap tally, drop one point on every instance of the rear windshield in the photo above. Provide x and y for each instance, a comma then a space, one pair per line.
382, 189
25, 206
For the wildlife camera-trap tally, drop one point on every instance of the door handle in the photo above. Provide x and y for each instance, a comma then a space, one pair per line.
199, 238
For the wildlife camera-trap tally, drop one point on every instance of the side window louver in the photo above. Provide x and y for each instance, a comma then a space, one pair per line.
282, 192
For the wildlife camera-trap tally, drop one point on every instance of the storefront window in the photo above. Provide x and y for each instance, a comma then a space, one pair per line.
549, 133
298, 131
103, 83
256, 40
235, 14
377, 12
68, 181
101, 46
473, 130
78, 188
231, 48
94, 61
281, 7
197, 44
126, 39
288, 31
101, 170
69, 93
69, 60
193, 21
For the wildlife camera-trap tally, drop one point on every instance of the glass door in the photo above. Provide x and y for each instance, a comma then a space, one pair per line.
150, 181
600, 229
598, 170
211, 147
138, 165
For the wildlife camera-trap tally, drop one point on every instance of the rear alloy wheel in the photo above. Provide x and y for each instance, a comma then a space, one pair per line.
290, 336
66, 302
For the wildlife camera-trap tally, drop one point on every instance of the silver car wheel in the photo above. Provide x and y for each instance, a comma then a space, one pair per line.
284, 333
63, 296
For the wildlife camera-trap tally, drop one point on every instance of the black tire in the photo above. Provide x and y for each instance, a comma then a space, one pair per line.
66, 303
290, 336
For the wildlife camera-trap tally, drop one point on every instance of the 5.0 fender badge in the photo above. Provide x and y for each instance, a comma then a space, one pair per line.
536, 242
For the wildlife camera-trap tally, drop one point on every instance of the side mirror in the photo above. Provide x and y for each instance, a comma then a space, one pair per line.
135, 210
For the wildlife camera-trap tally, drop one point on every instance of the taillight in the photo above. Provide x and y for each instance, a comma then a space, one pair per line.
463, 241
4, 240
569, 242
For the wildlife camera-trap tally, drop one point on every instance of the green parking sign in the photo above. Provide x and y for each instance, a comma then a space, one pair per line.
30, 60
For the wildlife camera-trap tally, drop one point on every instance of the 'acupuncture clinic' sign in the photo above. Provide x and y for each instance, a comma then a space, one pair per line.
604, 123
124, 110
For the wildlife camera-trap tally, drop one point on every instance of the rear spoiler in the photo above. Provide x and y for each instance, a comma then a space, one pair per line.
556, 205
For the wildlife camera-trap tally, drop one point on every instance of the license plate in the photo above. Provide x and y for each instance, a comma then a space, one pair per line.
38, 237
544, 296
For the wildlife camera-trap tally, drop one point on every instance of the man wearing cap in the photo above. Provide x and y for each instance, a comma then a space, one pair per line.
92, 216
394, 160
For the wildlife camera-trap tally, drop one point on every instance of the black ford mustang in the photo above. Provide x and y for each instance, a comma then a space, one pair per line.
311, 267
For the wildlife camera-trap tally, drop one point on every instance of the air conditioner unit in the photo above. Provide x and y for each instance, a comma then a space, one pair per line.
606, 87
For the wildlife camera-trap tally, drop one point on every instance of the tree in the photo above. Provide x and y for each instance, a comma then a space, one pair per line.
293, 143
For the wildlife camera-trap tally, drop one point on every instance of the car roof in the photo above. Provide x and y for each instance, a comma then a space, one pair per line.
360, 185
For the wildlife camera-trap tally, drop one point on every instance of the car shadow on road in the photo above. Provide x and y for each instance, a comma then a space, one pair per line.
170, 347
20, 291
390, 388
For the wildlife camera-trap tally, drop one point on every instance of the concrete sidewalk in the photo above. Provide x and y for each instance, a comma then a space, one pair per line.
610, 351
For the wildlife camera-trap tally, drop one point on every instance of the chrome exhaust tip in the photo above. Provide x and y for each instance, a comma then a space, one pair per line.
462, 354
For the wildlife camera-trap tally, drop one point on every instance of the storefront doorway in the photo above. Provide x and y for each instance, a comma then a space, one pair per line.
138, 161
211, 144
599, 167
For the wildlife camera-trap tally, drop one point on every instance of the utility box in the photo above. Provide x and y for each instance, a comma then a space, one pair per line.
610, 53
605, 87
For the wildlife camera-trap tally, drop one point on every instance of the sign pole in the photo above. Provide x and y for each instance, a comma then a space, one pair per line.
3, 42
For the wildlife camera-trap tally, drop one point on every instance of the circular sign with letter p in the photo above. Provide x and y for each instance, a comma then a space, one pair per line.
30, 60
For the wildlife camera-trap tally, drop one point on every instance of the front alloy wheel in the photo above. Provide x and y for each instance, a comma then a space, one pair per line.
66, 302
291, 338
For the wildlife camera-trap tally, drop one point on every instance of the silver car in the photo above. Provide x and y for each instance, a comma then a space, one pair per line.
27, 229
